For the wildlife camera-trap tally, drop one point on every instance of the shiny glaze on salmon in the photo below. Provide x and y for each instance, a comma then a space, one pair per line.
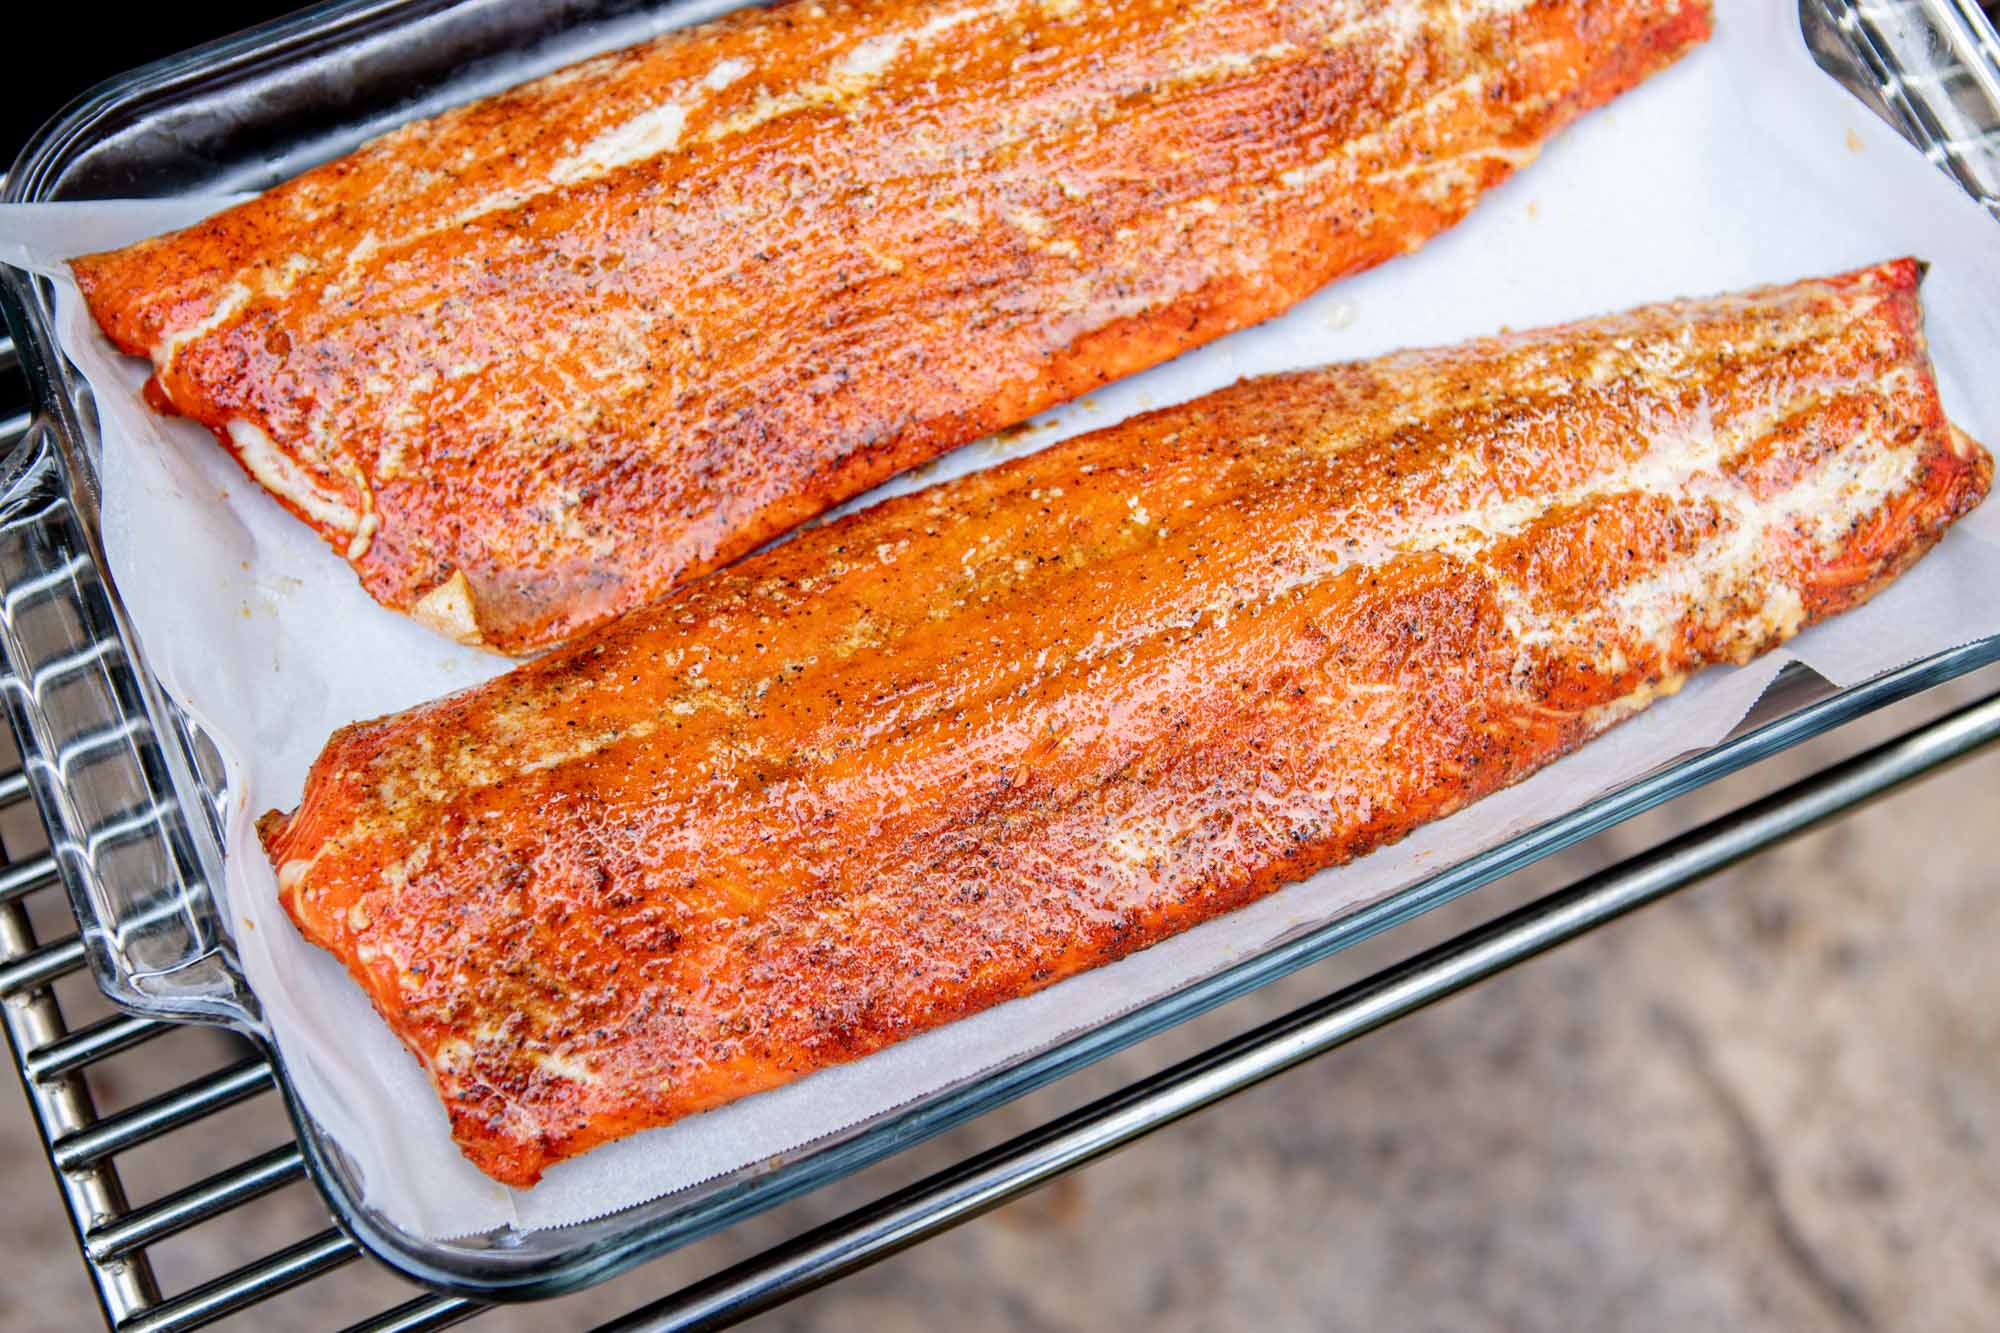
532, 363
951, 749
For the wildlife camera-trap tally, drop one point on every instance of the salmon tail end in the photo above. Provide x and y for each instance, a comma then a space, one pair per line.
273, 828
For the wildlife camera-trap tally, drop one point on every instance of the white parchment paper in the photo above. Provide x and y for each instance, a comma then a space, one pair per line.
1742, 165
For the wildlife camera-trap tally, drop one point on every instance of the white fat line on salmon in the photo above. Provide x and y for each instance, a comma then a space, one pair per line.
1234, 62
1681, 453
1684, 463
868, 61
258, 281
1685, 460
1387, 136
1622, 356
1400, 22
646, 135
855, 72
277, 471
661, 129
1351, 149
1850, 484
1443, 177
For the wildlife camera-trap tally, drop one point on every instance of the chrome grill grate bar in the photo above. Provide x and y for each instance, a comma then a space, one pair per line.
87, 1045
246, 1286
41, 965
163, 1114
18, 881
197, 1203
62, 1104
423, 1315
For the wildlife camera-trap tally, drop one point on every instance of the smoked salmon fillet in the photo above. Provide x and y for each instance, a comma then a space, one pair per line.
535, 361
949, 750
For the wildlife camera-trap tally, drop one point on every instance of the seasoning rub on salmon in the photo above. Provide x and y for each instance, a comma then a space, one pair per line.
951, 749
534, 362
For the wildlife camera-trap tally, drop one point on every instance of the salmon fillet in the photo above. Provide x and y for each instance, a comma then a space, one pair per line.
951, 749
535, 361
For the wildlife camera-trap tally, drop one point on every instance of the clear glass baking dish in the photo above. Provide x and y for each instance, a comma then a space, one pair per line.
130, 792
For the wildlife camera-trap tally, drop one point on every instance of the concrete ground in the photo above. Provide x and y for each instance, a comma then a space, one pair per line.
1772, 1102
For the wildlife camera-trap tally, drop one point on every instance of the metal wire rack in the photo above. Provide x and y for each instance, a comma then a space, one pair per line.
64, 1037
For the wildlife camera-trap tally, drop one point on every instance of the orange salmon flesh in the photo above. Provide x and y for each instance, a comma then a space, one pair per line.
536, 361
949, 750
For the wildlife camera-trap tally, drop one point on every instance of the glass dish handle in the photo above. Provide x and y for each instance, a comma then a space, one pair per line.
118, 772
1930, 70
